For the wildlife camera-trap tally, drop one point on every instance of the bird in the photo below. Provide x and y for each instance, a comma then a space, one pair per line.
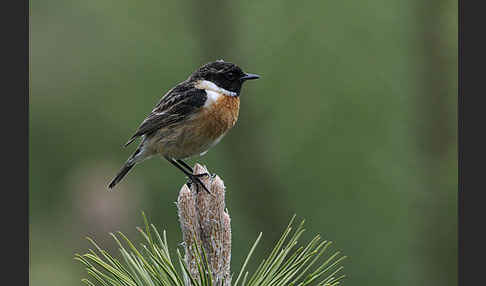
189, 119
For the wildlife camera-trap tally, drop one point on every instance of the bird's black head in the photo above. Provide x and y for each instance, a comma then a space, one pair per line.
223, 74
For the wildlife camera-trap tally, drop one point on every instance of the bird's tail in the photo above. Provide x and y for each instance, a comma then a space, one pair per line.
136, 157
121, 174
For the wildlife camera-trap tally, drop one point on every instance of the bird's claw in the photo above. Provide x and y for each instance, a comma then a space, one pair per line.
201, 175
195, 179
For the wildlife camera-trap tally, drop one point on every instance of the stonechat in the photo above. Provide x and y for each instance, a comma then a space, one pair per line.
190, 118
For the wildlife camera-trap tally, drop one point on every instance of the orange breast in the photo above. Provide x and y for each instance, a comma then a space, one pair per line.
201, 132
220, 116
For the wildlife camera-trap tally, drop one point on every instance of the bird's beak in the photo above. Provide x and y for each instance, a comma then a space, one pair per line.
249, 76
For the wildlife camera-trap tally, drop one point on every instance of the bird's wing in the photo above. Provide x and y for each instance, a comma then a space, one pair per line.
176, 105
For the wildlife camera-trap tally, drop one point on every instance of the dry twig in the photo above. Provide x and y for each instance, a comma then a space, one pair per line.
204, 218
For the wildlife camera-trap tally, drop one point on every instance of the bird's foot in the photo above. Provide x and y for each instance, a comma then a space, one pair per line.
202, 175
195, 179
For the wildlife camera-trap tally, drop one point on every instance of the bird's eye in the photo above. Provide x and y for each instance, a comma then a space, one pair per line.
231, 75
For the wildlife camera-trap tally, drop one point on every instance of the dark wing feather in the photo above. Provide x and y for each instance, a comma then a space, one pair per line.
176, 105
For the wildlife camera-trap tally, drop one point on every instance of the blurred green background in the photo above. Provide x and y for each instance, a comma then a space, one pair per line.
352, 127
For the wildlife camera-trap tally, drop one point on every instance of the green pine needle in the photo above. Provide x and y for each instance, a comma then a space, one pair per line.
151, 265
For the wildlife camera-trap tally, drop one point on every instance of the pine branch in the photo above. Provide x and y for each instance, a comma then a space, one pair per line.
206, 230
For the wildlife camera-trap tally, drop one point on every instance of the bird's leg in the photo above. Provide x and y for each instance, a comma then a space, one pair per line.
192, 177
189, 168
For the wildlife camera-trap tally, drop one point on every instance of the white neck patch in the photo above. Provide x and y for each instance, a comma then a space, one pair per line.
211, 86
